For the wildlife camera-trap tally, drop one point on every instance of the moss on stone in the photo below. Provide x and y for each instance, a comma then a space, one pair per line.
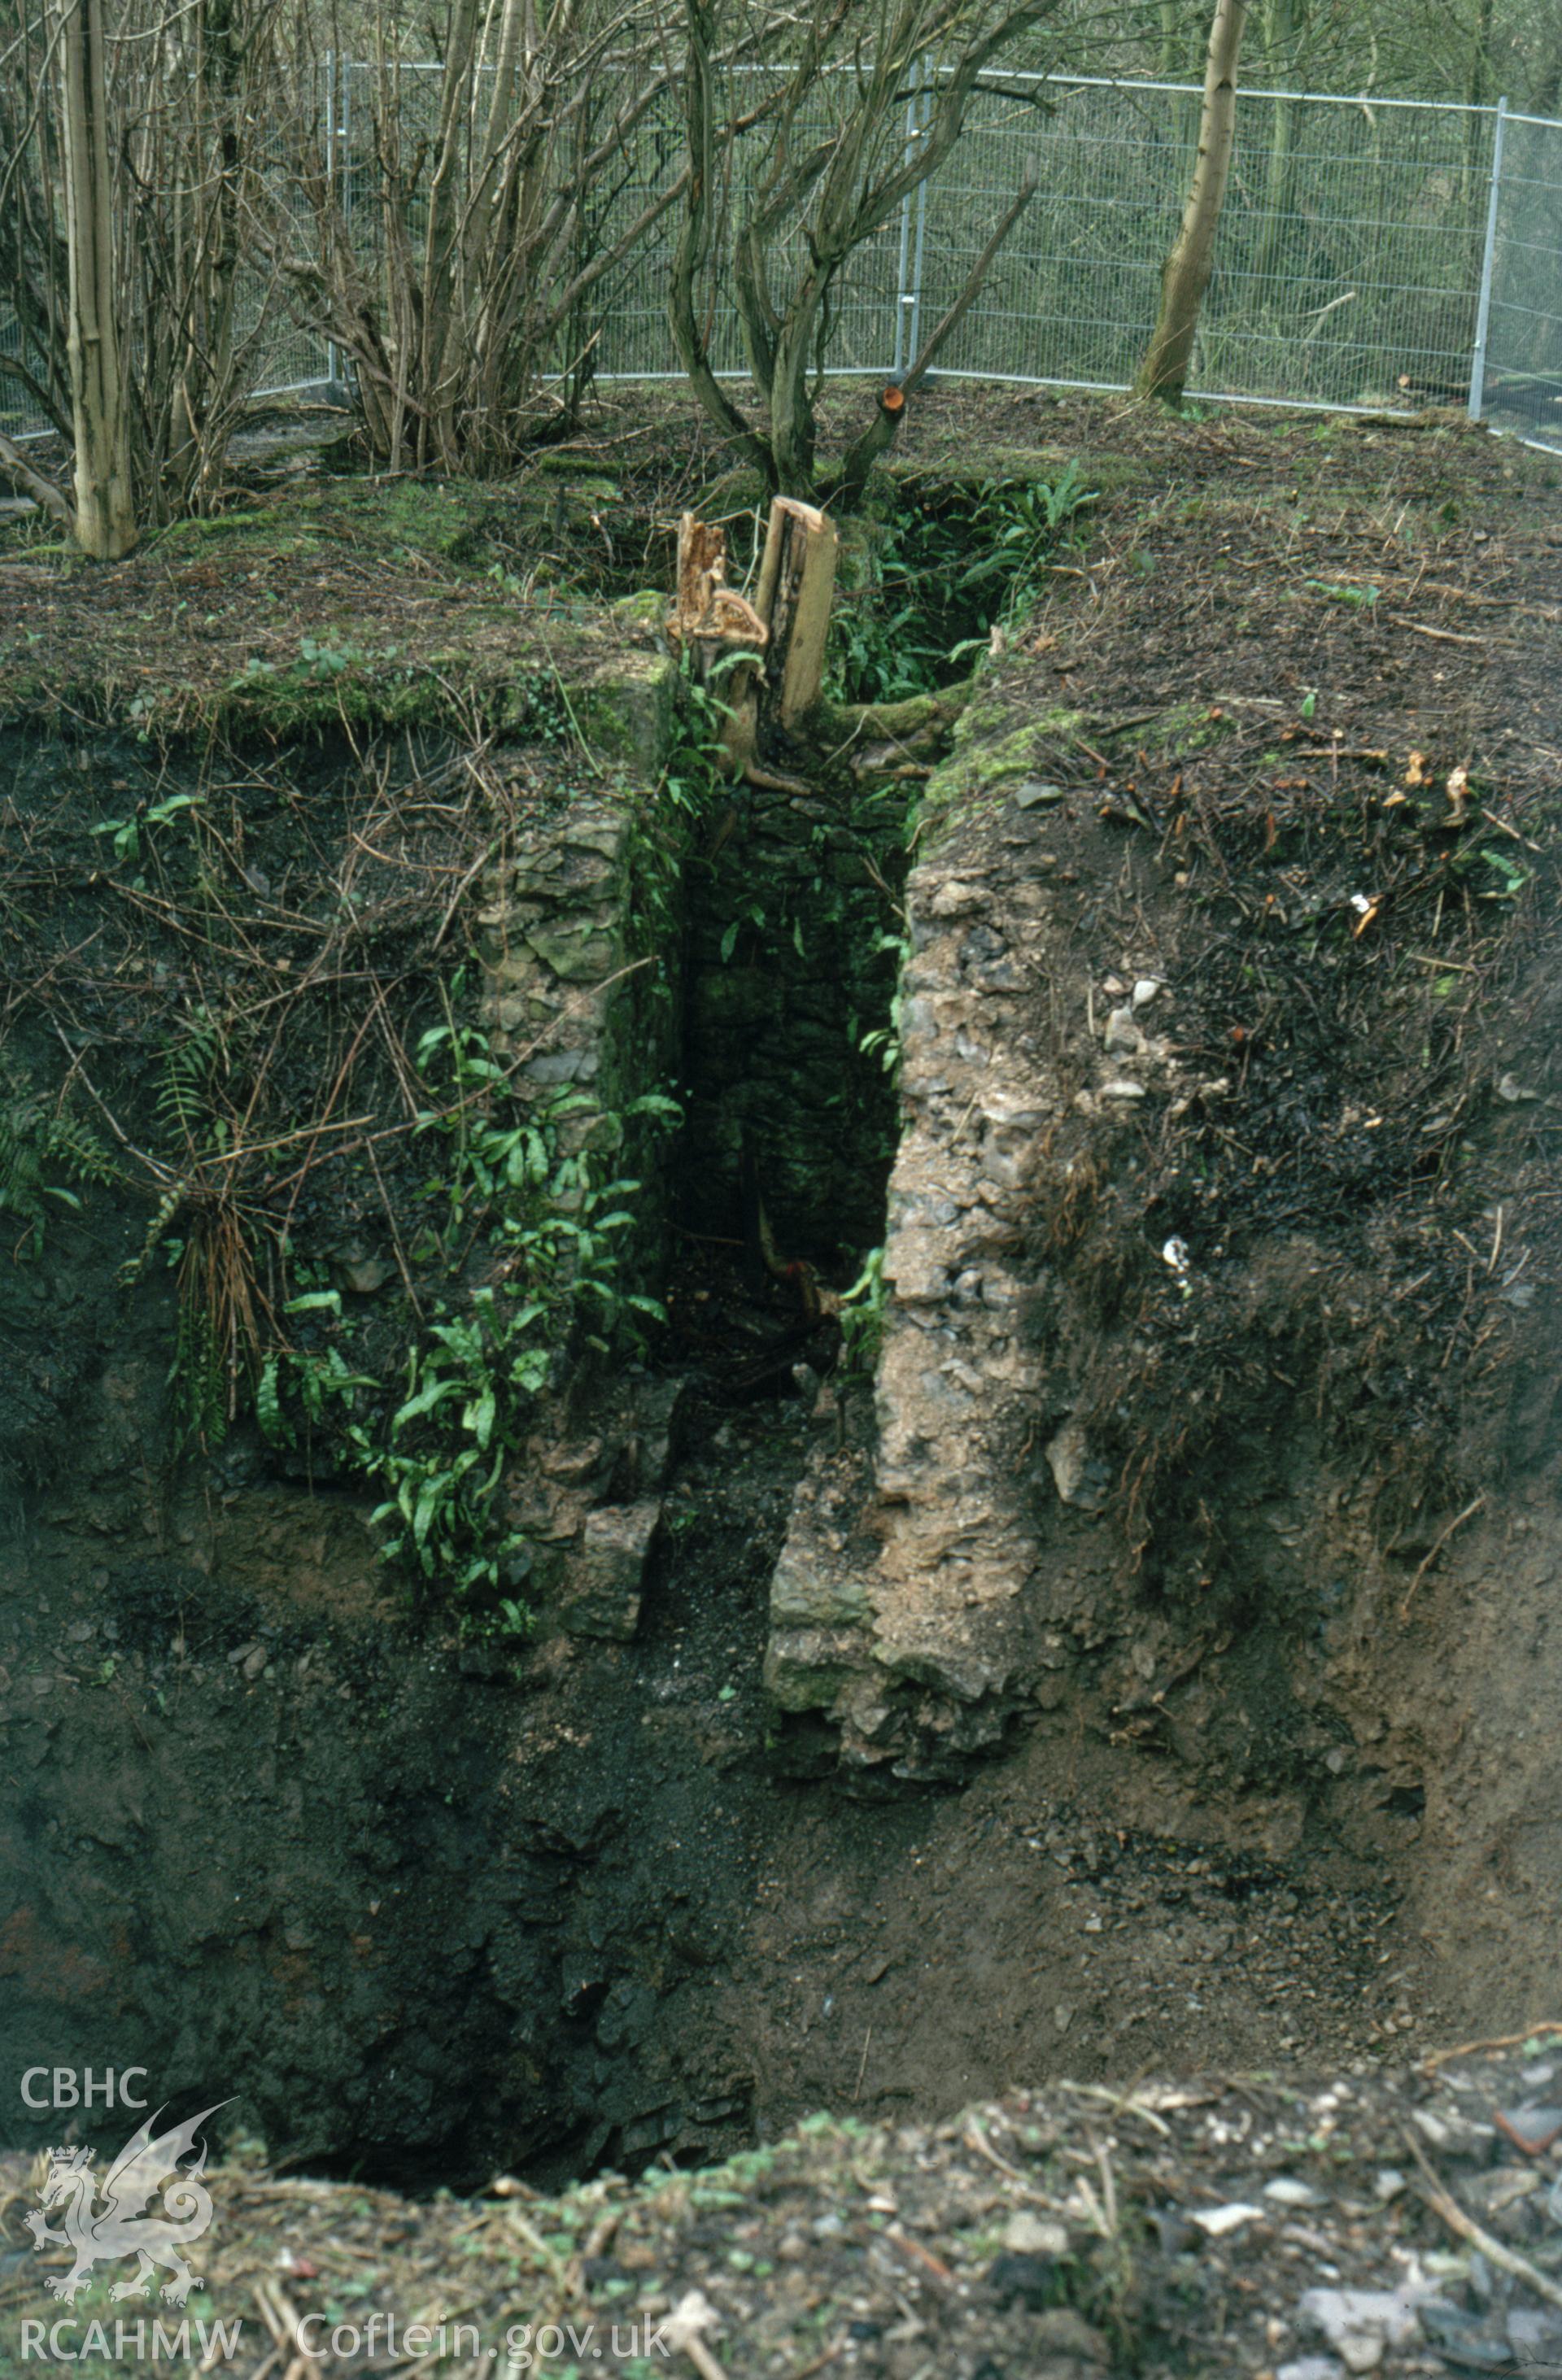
1181, 727
623, 710
989, 749
840, 723
644, 613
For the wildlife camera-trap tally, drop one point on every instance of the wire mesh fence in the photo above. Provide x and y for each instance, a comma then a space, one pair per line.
1522, 363
1348, 261
1371, 253
19, 415
1357, 238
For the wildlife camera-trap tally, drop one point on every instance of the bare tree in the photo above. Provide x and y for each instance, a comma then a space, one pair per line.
130, 185
1163, 372
104, 510
782, 189
448, 263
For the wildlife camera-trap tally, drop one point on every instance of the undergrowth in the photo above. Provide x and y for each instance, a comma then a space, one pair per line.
523, 1230
951, 565
310, 1094
43, 1151
525, 1224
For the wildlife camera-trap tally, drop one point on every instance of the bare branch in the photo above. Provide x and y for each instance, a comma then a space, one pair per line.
32, 483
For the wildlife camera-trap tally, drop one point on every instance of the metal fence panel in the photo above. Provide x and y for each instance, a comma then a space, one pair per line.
1371, 251
20, 417
1524, 370
1347, 263
1071, 296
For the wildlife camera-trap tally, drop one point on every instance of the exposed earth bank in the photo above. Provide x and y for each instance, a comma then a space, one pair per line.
1152, 1674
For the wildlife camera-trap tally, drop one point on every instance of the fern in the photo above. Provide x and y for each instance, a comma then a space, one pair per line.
188, 1066
37, 1146
270, 1412
163, 1215
199, 1374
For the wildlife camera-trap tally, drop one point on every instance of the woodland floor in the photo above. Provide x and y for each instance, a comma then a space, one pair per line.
397, 576
1408, 2223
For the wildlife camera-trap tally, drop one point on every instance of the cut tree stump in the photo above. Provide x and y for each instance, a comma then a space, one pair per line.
723, 631
764, 660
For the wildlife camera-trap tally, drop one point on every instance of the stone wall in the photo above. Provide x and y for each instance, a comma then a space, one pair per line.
580, 949
931, 1610
935, 1586
572, 990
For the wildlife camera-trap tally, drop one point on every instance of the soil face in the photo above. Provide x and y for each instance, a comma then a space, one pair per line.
423, 1910
1217, 1401
265, 1838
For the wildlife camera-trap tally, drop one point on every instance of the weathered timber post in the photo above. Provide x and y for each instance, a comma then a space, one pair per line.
723, 631
766, 658
797, 585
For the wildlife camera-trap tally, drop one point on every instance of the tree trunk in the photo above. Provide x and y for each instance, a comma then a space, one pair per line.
439, 327
792, 403
723, 633
1282, 29
105, 515
206, 212
797, 586
1163, 372
693, 247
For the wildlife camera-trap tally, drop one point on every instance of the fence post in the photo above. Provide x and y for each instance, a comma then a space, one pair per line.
333, 359
904, 300
914, 307
1488, 255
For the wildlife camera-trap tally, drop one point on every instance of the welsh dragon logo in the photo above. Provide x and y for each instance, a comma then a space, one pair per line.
118, 2224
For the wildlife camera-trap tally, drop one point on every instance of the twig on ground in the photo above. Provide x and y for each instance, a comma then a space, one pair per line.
1443, 635
1476, 2048
692, 2314
1506, 2259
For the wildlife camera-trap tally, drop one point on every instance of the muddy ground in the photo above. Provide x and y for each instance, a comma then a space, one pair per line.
270, 1835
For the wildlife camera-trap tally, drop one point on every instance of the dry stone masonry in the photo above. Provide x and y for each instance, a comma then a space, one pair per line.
920, 1630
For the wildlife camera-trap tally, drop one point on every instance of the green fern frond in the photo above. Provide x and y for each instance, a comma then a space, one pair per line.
163, 1215
189, 1066
198, 1374
37, 1146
